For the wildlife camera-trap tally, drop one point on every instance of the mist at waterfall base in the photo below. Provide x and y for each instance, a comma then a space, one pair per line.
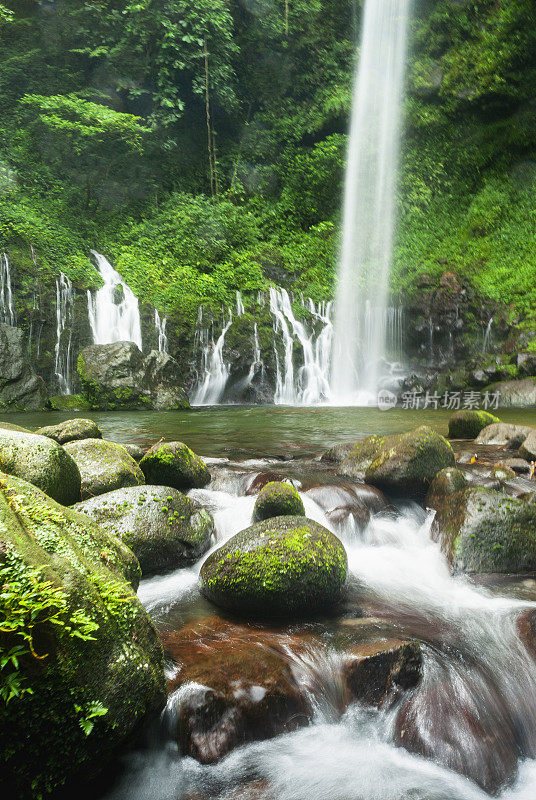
477, 673
369, 205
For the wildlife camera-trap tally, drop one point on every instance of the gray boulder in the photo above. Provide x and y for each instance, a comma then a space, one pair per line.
164, 528
20, 388
515, 394
504, 434
71, 430
118, 376
104, 466
528, 448
42, 462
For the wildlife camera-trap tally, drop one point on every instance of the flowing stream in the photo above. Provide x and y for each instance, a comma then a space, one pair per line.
369, 205
63, 355
474, 710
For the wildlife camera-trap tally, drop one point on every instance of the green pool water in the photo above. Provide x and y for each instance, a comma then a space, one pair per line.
258, 431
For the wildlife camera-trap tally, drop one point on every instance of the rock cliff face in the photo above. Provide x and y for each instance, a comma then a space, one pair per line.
20, 388
117, 376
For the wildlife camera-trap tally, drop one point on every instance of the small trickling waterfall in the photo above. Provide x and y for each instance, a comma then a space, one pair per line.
239, 305
309, 384
64, 334
114, 313
486, 343
7, 309
214, 371
160, 324
359, 332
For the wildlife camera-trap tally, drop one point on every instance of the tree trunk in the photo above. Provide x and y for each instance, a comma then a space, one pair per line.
209, 128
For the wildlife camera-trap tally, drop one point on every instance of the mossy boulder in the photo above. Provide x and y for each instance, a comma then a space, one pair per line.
164, 528
484, 531
174, 464
8, 426
72, 430
88, 667
278, 500
447, 482
104, 466
355, 459
70, 402
403, 464
282, 567
468, 424
40, 461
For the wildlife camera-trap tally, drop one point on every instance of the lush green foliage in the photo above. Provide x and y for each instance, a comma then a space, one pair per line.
106, 143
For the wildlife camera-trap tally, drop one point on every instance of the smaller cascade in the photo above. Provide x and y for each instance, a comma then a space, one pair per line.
487, 341
114, 313
214, 371
64, 334
240, 310
257, 365
160, 324
7, 309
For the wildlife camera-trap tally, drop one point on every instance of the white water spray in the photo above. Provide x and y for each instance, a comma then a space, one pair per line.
214, 369
114, 313
160, 324
369, 207
64, 334
7, 310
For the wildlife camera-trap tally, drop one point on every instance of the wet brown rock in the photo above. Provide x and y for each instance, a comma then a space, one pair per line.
339, 504
373, 669
261, 479
235, 684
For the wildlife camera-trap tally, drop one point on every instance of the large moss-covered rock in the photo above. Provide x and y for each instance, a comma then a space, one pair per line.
89, 666
164, 528
482, 530
40, 461
402, 464
174, 464
71, 430
278, 500
354, 460
119, 376
281, 567
104, 466
468, 424
70, 402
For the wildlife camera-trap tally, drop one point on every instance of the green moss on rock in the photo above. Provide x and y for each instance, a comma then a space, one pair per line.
89, 667
278, 500
71, 430
104, 466
468, 424
40, 461
174, 464
283, 566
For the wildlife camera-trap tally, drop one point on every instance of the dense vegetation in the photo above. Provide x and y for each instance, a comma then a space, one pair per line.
201, 143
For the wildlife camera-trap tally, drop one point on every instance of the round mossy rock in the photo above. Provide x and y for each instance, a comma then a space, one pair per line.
89, 667
72, 430
468, 424
104, 466
42, 462
283, 567
174, 464
278, 500
164, 528
447, 482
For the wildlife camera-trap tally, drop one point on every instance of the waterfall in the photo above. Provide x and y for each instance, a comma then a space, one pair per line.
239, 305
486, 344
7, 310
359, 332
214, 370
64, 334
114, 313
160, 325
310, 383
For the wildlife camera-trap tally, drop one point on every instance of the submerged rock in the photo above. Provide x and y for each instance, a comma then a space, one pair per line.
482, 530
40, 461
104, 466
402, 464
468, 424
284, 566
20, 388
174, 464
164, 528
278, 500
89, 665
118, 376
234, 684
504, 434
72, 430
